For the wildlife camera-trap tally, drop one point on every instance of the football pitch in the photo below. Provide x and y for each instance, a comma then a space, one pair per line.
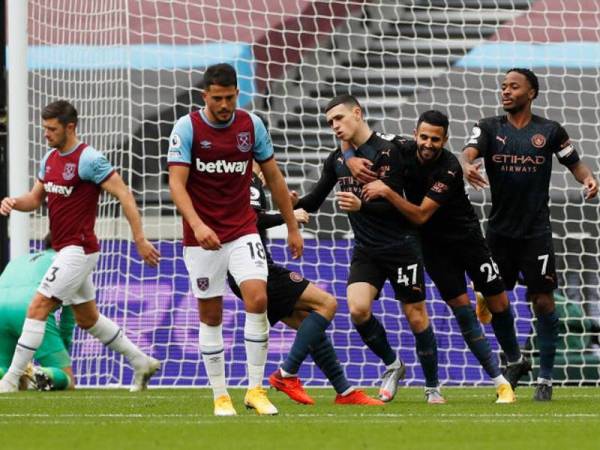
182, 419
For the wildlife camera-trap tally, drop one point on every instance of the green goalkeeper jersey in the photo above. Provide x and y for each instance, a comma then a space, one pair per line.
18, 285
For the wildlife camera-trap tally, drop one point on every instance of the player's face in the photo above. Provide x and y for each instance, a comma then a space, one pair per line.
344, 121
430, 141
220, 102
56, 133
516, 92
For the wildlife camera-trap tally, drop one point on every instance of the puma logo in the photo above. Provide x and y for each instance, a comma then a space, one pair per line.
501, 139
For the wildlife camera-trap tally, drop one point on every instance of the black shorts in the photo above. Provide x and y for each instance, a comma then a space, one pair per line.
402, 265
284, 288
532, 258
447, 261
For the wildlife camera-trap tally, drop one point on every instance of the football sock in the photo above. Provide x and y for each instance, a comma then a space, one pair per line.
60, 380
111, 335
256, 338
374, 336
499, 380
309, 333
31, 338
395, 365
547, 335
503, 324
476, 339
324, 356
213, 356
427, 352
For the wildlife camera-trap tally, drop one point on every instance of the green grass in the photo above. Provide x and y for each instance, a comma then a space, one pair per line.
182, 419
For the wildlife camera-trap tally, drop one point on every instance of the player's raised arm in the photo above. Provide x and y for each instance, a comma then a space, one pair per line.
280, 194
25, 203
115, 186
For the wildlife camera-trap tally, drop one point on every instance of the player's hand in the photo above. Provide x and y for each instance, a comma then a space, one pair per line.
294, 198
295, 244
348, 202
591, 187
148, 252
301, 215
207, 238
473, 175
374, 190
360, 168
7, 205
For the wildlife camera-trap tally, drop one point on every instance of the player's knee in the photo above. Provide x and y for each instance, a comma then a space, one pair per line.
359, 313
40, 307
328, 306
543, 303
256, 302
497, 303
417, 317
86, 322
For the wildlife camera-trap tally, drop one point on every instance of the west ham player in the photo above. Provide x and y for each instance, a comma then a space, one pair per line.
452, 240
386, 248
517, 149
302, 306
71, 177
210, 169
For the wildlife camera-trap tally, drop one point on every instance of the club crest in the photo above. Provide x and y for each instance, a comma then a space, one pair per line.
538, 140
244, 143
296, 277
69, 171
202, 283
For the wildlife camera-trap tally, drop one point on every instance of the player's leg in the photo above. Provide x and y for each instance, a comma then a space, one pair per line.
248, 266
289, 290
206, 270
539, 272
55, 372
29, 341
505, 261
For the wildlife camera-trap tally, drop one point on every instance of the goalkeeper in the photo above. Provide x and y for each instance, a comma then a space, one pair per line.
18, 283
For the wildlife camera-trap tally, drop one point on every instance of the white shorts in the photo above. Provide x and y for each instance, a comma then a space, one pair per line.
69, 278
244, 258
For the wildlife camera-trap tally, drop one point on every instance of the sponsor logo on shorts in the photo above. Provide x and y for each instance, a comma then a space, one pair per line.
296, 277
538, 140
202, 283
244, 142
69, 171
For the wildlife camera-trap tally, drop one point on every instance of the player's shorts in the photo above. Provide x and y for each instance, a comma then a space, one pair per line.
284, 289
447, 261
401, 264
52, 352
69, 278
532, 258
244, 258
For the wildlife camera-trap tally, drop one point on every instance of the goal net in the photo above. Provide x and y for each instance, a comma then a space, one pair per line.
132, 67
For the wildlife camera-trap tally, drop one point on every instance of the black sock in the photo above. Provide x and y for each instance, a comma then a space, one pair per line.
503, 324
374, 336
476, 340
547, 337
323, 354
427, 352
308, 334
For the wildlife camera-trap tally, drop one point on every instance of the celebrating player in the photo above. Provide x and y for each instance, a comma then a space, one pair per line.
302, 306
210, 169
18, 284
386, 247
71, 177
452, 240
517, 149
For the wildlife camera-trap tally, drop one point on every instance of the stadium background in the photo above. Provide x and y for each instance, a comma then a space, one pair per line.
133, 67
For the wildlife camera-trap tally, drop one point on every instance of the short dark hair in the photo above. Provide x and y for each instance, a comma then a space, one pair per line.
436, 118
531, 77
344, 99
222, 74
61, 110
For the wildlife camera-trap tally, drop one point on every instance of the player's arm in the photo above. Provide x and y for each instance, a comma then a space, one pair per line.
475, 148
312, 201
205, 235
115, 186
67, 324
281, 197
584, 175
417, 214
266, 220
360, 168
25, 203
